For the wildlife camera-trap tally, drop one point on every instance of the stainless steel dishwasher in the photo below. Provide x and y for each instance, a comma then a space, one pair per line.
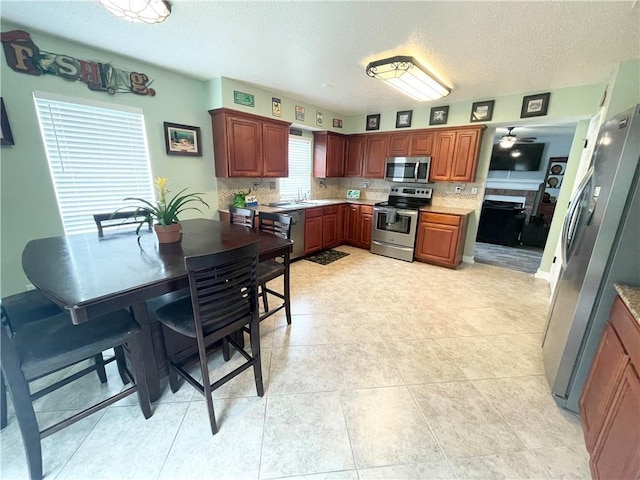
297, 232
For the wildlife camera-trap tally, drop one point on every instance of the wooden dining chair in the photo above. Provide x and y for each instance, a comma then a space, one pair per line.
280, 225
32, 306
242, 216
223, 300
118, 219
49, 345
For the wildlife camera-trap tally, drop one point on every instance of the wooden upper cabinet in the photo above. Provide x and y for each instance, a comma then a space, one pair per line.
455, 155
275, 141
353, 156
247, 145
375, 152
421, 143
442, 156
465, 156
328, 154
399, 144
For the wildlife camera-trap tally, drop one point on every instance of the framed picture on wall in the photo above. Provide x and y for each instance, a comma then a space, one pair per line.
403, 119
482, 111
373, 122
439, 115
182, 140
535, 105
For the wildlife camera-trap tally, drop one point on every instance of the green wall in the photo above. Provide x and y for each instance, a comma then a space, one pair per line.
624, 88
221, 95
28, 207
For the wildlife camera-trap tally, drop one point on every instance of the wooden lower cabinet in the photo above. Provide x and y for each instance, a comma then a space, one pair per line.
312, 230
440, 238
343, 219
610, 401
352, 225
330, 226
364, 227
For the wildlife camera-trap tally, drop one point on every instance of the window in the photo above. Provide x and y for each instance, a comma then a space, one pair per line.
298, 183
97, 157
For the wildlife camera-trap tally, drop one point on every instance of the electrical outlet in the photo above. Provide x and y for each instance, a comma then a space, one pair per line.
474, 190
272, 185
458, 189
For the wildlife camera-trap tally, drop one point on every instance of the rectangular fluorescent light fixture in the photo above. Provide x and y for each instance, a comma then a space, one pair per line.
408, 76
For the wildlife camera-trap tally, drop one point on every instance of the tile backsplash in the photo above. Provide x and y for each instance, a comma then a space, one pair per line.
370, 189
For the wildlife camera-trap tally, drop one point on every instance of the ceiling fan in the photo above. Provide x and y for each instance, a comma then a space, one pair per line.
509, 140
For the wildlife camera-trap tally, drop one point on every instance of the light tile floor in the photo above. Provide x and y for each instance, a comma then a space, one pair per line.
390, 370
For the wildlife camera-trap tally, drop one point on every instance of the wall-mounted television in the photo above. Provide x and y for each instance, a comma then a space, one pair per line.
521, 157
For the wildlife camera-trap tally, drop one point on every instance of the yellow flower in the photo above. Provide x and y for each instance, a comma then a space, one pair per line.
161, 185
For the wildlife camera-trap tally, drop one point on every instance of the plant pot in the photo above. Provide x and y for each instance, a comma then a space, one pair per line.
168, 234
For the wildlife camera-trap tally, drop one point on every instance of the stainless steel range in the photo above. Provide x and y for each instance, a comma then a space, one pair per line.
395, 222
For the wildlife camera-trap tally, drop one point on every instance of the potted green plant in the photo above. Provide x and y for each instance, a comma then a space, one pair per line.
164, 212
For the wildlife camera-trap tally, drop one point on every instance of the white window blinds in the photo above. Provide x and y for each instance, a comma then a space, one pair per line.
97, 157
299, 181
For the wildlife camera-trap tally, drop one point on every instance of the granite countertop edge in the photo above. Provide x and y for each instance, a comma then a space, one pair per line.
336, 201
631, 298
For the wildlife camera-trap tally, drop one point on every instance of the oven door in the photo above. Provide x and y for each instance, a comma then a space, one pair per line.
399, 229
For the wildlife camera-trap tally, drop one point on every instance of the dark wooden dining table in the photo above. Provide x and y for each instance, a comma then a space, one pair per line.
91, 276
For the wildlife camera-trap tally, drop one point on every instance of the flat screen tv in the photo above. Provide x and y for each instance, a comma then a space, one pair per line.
522, 157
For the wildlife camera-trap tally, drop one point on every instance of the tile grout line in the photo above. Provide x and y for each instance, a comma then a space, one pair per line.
444, 453
164, 463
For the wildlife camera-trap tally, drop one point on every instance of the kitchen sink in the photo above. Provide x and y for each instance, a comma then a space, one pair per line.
318, 202
285, 204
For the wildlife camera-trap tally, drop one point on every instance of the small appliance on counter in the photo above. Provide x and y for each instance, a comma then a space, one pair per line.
395, 222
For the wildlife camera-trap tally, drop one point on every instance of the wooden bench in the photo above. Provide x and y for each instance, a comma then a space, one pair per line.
129, 217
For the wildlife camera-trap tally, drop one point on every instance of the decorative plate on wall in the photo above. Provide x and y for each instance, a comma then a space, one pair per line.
556, 169
552, 182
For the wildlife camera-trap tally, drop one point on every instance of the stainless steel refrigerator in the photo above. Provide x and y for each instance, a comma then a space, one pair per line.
600, 246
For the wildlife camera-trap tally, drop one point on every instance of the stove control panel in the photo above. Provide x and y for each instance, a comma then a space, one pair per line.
411, 192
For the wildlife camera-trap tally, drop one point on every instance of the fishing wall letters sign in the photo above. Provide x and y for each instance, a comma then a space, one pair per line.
24, 56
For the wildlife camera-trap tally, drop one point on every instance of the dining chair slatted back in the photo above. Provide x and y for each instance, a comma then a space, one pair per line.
275, 223
31, 306
280, 225
223, 301
49, 345
118, 219
242, 216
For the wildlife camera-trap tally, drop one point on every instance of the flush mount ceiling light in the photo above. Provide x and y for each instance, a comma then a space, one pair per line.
405, 74
139, 11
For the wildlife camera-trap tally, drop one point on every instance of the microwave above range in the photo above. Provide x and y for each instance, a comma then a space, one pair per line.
407, 169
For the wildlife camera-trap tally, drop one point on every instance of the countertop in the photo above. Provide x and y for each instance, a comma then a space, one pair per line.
631, 298
337, 201
311, 204
449, 210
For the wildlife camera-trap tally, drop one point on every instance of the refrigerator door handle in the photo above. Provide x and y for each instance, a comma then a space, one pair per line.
570, 219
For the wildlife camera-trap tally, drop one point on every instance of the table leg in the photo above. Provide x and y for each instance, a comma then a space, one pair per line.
287, 303
148, 355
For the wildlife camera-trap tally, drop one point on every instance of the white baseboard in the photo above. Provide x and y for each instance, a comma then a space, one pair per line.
468, 259
543, 275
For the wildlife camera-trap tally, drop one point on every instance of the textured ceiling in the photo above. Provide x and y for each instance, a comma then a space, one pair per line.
481, 49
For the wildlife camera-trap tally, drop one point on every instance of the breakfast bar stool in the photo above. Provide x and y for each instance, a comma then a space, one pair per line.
223, 301
49, 345
280, 225
242, 216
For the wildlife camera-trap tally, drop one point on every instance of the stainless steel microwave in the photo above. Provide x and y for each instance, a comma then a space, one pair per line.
407, 169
